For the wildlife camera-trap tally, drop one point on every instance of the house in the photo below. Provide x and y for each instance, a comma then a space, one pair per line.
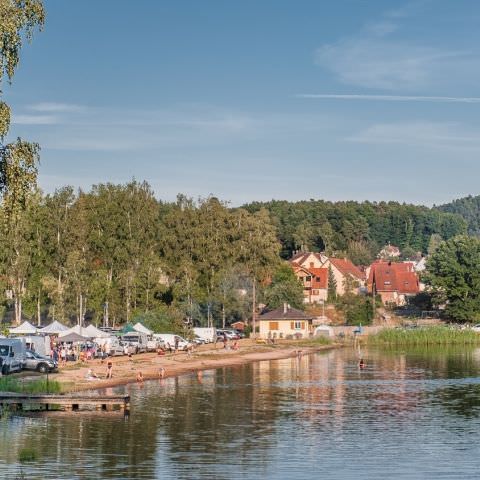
309, 259
346, 274
314, 281
393, 281
285, 322
389, 252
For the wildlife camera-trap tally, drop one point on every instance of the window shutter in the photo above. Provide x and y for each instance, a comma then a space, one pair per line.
292, 325
303, 325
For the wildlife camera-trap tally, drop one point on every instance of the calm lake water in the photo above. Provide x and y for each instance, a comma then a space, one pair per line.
408, 415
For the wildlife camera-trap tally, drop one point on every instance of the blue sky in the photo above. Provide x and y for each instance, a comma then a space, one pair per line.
255, 100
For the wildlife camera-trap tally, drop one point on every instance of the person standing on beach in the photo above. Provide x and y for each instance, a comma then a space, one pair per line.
109, 369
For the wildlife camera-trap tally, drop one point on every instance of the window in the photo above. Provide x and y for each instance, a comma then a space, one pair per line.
318, 279
273, 326
298, 325
308, 279
387, 282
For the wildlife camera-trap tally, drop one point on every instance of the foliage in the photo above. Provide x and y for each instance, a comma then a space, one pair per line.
454, 278
284, 288
437, 335
27, 455
11, 384
163, 319
469, 209
358, 309
332, 286
359, 229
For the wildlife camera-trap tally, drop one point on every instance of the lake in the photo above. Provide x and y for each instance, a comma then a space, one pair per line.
409, 414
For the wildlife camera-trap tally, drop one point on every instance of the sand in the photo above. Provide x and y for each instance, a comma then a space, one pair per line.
126, 370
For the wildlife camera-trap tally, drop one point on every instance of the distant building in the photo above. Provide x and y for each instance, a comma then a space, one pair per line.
389, 252
283, 322
312, 270
394, 282
314, 281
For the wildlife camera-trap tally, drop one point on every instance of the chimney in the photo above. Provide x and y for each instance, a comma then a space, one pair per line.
285, 308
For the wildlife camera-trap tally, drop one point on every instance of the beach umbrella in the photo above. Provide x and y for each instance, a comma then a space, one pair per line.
26, 328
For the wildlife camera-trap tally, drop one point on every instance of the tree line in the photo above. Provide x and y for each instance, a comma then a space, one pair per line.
358, 230
115, 252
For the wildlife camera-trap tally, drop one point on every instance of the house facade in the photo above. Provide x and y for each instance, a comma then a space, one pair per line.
394, 282
311, 269
314, 281
285, 322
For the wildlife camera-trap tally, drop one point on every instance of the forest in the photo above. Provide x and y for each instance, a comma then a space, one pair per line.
358, 230
117, 253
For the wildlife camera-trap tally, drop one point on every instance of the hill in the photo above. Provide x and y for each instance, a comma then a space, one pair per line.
468, 208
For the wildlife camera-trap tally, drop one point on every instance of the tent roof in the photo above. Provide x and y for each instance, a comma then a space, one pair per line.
128, 328
142, 329
25, 328
73, 337
82, 331
94, 332
55, 327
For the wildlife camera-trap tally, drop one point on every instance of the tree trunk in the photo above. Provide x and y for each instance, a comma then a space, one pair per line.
39, 314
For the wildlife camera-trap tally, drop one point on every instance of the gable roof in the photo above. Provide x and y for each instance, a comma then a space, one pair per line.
319, 277
285, 313
301, 257
394, 277
346, 267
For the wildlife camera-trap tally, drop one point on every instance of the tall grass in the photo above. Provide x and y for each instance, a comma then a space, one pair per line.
437, 335
14, 385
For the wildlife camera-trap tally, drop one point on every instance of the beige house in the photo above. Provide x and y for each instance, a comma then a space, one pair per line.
285, 322
309, 259
345, 272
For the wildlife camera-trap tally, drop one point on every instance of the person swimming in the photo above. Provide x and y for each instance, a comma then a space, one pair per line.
361, 364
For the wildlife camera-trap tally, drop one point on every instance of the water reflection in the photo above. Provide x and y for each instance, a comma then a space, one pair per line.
413, 413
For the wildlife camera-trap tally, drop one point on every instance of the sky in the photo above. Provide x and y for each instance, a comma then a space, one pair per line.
256, 100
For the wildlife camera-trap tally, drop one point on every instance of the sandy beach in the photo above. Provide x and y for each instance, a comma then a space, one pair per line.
125, 369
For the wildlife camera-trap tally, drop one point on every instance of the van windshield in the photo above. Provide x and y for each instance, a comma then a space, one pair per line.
4, 350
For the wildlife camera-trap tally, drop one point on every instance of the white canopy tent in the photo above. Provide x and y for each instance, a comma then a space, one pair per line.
94, 332
26, 328
76, 329
142, 329
55, 328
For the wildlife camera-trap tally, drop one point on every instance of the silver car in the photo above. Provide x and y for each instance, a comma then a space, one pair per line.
34, 361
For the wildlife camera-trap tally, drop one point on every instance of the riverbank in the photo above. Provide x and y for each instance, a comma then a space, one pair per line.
72, 378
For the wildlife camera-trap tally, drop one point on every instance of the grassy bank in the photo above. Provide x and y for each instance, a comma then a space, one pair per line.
438, 335
14, 385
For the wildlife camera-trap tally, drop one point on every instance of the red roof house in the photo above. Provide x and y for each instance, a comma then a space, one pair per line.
393, 281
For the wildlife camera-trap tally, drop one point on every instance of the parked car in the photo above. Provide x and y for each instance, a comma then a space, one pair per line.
136, 340
169, 340
39, 363
116, 349
230, 334
476, 328
198, 340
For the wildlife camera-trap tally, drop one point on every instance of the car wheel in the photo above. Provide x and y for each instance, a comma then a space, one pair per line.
42, 368
5, 370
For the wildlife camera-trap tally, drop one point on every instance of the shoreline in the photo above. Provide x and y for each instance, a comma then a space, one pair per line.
125, 370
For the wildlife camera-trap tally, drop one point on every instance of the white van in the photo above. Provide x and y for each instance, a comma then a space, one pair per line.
136, 340
208, 335
170, 338
12, 355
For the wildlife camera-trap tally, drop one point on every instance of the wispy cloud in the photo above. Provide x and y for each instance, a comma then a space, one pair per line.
34, 119
57, 107
432, 135
390, 98
377, 57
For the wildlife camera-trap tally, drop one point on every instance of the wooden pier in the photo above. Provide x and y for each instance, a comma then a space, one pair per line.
69, 403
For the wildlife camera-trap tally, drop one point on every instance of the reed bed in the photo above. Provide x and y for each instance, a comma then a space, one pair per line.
437, 335
14, 385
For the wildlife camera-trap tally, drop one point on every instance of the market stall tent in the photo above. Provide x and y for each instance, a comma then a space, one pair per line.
55, 328
26, 328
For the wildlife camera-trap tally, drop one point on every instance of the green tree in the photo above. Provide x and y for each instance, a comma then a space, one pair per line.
454, 277
332, 286
284, 288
